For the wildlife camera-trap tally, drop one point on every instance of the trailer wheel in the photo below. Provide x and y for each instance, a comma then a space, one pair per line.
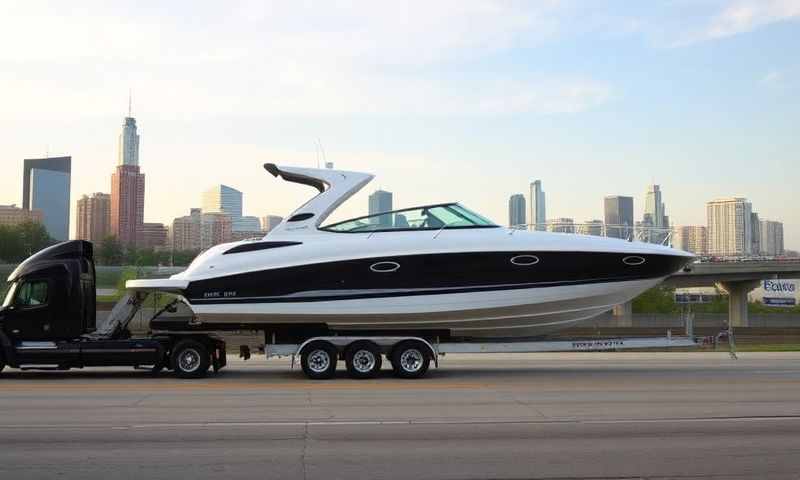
363, 359
190, 359
410, 359
318, 360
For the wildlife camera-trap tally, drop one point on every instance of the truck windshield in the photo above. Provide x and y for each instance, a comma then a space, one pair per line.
10, 294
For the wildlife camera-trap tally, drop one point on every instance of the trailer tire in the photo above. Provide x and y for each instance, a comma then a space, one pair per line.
318, 360
190, 359
410, 359
363, 359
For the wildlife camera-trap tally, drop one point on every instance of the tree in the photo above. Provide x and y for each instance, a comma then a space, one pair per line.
18, 242
110, 251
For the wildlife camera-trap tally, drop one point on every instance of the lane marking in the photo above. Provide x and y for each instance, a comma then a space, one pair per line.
409, 422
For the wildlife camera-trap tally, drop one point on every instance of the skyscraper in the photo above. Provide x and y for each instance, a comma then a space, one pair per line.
127, 187
729, 229
654, 207
755, 227
618, 213
516, 210
45, 186
228, 200
537, 212
380, 202
771, 238
94, 217
128, 146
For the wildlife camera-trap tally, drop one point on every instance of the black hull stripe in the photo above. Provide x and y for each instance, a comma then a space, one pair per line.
359, 296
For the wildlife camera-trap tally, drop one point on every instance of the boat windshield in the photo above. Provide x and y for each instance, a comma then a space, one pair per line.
431, 217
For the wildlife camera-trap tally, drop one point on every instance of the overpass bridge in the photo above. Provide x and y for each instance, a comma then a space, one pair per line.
736, 278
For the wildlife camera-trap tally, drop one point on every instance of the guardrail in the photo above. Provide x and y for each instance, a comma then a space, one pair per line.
630, 233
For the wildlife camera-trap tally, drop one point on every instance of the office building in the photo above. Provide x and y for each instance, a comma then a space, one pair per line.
379, 202
537, 212
94, 217
654, 207
127, 187
591, 227
185, 233
11, 215
46, 187
269, 222
215, 228
153, 235
228, 200
516, 210
561, 225
127, 204
618, 213
771, 238
755, 233
691, 238
729, 229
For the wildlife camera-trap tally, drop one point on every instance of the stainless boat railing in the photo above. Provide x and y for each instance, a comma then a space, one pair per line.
631, 233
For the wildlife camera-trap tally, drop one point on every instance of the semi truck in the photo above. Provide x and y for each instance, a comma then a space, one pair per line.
48, 320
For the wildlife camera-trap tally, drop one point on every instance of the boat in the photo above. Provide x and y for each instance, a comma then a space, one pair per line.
440, 269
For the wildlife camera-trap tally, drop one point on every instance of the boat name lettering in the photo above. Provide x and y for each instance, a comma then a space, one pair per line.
598, 344
219, 294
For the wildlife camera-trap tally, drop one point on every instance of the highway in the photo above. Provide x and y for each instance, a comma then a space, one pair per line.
531, 416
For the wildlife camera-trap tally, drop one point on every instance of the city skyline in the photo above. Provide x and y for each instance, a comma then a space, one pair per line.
598, 108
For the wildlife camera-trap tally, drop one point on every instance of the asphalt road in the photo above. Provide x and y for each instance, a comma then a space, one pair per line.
623, 415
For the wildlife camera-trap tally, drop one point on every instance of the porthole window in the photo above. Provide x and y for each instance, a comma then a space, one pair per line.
525, 260
633, 260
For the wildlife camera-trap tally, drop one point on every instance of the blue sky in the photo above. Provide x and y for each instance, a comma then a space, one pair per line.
447, 100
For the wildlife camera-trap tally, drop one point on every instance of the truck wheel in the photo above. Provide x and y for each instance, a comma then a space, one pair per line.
318, 360
190, 359
363, 359
410, 359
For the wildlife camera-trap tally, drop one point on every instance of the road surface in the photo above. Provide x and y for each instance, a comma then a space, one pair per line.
542, 416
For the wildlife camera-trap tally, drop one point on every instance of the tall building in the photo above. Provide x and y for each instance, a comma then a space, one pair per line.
516, 210
537, 212
654, 207
127, 187
771, 238
127, 204
691, 238
591, 227
45, 186
655, 219
729, 229
561, 225
186, 232
755, 233
618, 213
11, 215
94, 217
380, 202
153, 235
215, 228
269, 222
128, 143
228, 200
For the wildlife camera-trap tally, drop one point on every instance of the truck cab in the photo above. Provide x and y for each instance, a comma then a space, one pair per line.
48, 321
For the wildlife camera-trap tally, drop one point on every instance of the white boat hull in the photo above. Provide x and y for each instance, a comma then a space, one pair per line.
505, 313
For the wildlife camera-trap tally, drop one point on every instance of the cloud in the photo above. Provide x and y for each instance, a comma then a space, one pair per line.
278, 58
742, 17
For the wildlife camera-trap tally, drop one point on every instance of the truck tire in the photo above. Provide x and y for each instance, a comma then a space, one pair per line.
318, 360
190, 359
410, 359
363, 359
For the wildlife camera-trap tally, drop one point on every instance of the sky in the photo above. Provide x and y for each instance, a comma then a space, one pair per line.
452, 100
